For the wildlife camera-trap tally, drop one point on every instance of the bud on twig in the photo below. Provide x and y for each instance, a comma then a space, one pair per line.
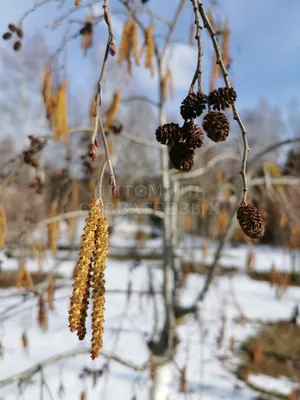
112, 48
92, 154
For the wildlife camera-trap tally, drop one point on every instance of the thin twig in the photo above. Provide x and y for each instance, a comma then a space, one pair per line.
236, 116
198, 72
98, 119
28, 373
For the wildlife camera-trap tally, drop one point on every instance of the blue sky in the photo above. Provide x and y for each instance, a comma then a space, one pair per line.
265, 47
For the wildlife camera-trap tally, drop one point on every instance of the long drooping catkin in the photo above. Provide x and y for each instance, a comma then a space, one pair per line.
3, 227
98, 283
82, 269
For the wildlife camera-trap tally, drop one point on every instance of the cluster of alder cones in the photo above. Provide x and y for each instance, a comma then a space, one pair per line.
12, 31
184, 140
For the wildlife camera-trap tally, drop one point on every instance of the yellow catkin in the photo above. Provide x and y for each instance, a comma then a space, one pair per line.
98, 281
167, 84
47, 94
188, 223
222, 222
83, 395
24, 278
295, 238
214, 74
24, 340
204, 249
92, 184
218, 176
50, 292
149, 48
129, 45
82, 269
225, 44
60, 114
77, 3
135, 42
3, 227
204, 204
114, 107
42, 313
53, 228
124, 49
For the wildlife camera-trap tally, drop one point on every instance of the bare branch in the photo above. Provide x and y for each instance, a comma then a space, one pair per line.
209, 165
236, 116
132, 138
28, 373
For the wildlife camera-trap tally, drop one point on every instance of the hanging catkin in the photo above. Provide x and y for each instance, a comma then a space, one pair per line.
89, 275
60, 114
47, 94
3, 227
149, 49
98, 282
114, 107
129, 45
225, 44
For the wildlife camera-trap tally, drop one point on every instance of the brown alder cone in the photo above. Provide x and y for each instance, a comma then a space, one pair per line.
77, 3
250, 221
82, 269
222, 98
216, 126
98, 285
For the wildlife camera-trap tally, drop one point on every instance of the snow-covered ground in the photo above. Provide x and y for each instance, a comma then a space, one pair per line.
210, 370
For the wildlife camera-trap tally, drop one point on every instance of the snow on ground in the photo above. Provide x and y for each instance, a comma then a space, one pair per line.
210, 370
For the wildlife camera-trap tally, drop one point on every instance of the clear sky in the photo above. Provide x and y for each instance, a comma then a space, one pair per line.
265, 47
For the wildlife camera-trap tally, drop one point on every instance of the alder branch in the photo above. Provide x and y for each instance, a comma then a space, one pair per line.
198, 73
98, 98
28, 373
82, 213
140, 98
236, 116
211, 163
275, 181
132, 138
272, 148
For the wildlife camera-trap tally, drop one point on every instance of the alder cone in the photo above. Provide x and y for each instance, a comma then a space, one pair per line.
182, 157
168, 134
222, 98
193, 106
250, 221
216, 125
193, 135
